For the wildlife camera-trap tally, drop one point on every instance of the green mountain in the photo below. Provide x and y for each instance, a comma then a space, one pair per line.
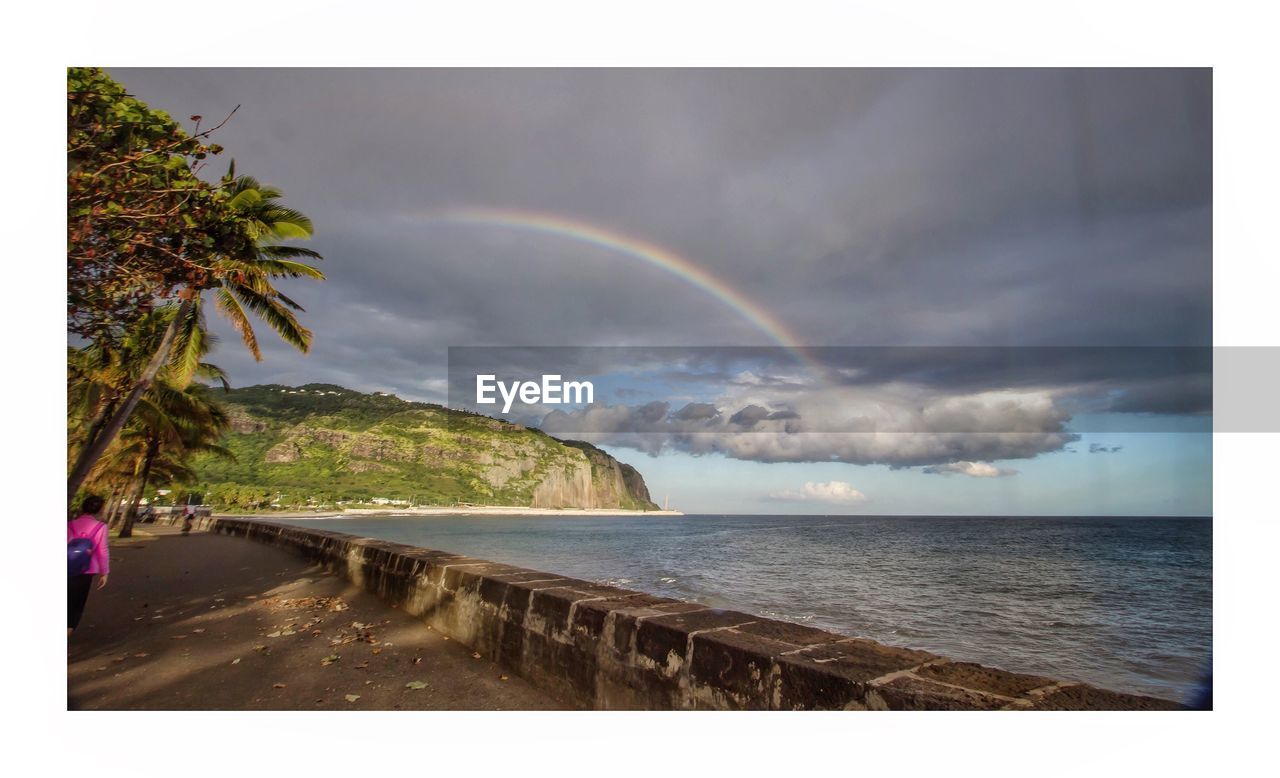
321, 444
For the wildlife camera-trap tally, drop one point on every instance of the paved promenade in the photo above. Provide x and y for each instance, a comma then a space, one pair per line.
210, 622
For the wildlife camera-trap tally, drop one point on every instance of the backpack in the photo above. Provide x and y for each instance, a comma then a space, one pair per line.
79, 555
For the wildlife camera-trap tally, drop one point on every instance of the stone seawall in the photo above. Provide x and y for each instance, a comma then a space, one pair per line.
607, 648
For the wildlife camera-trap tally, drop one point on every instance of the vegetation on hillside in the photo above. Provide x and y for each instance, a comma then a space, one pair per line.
321, 445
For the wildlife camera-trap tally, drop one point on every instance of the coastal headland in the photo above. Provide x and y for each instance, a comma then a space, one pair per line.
324, 446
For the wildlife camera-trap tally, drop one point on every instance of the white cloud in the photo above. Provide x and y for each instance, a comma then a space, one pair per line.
831, 491
971, 469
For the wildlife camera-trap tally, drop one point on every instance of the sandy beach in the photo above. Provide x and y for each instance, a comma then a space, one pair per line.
491, 510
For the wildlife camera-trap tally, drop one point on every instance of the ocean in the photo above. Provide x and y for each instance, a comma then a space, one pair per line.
1119, 602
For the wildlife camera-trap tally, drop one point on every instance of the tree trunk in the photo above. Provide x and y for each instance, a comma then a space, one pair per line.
90, 454
99, 419
113, 504
117, 516
117, 509
139, 486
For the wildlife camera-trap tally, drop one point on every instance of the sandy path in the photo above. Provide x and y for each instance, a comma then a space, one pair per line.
202, 622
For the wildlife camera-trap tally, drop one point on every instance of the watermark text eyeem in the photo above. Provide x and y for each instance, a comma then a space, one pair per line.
550, 391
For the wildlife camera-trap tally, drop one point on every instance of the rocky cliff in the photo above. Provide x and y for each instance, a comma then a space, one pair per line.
321, 444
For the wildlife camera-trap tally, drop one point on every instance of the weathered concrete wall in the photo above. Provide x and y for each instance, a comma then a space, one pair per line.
608, 648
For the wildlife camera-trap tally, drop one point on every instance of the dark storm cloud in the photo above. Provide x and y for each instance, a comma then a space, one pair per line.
697, 412
955, 208
750, 416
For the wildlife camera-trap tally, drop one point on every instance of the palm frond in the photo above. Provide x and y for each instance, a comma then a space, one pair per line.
244, 199
287, 269
231, 308
214, 373
287, 300
190, 345
276, 315
288, 252
288, 223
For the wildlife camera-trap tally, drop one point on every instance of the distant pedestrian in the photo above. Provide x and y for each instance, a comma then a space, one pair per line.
87, 557
188, 518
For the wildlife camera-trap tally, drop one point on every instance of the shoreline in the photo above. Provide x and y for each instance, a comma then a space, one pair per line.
263, 530
472, 511
562, 634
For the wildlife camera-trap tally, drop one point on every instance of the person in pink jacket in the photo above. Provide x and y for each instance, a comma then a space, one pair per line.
86, 525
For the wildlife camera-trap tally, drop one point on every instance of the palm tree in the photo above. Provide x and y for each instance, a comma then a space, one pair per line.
95, 373
241, 284
173, 420
168, 428
244, 283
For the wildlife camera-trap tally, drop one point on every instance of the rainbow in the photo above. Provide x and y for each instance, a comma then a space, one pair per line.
635, 248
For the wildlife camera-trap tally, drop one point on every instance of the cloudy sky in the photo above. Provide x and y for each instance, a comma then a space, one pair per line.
1012, 210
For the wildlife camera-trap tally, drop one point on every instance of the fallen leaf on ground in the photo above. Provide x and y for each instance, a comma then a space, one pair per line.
377, 651
328, 660
362, 665
277, 686
352, 697
142, 655
275, 634
416, 685
235, 661
317, 603
197, 631
475, 655
502, 678
177, 637
417, 660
